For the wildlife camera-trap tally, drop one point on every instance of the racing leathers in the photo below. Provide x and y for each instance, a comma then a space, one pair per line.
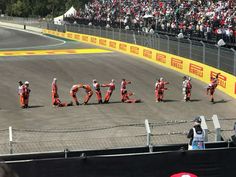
74, 89
111, 88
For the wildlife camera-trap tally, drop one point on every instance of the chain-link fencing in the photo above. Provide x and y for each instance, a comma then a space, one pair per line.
14, 141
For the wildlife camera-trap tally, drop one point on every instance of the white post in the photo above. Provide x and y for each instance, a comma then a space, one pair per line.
148, 131
10, 140
217, 127
204, 127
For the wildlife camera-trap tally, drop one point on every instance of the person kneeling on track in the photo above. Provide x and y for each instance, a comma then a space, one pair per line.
57, 103
111, 88
126, 98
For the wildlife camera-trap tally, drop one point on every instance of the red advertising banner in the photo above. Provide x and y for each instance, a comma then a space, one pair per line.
196, 70
123, 47
161, 58
177, 63
134, 50
221, 79
112, 44
147, 53
103, 42
93, 40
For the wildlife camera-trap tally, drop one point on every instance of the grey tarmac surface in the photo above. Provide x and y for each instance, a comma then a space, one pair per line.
73, 69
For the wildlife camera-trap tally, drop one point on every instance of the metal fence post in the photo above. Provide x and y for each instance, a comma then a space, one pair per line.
148, 131
218, 57
158, 44
203, 52
10, 141
168, 43
204, 127
178, 47
119, 33
134, 36
190, 48
217, 127
234, 60
113, 34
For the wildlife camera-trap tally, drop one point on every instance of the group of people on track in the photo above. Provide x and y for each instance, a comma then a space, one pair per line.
160, 87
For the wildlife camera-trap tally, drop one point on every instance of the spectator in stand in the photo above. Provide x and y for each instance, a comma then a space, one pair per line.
203, 18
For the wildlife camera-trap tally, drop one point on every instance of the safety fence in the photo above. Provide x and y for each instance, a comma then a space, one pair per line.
14, 141
212, 55
34, 22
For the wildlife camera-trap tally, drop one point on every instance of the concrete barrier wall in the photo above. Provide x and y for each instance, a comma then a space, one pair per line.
205, 163
21, 27
202, 72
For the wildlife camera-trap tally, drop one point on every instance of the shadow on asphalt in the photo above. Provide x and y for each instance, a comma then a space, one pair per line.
221, 101
36, 106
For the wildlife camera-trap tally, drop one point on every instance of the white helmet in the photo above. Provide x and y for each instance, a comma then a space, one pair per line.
54, 79
161, 79
113, 80
26, 82
189, 78
94, 80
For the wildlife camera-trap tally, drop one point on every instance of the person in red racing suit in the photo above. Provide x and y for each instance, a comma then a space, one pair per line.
56, 102
126, 98
21, 93
188, 89
123, 85
212, 86
26, 91
54, 91
159, 89
73, 91
111, 88
88, 91
98, 92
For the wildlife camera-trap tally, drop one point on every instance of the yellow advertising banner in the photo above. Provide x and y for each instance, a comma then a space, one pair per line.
227, 82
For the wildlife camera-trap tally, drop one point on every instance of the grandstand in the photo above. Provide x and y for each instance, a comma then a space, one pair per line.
201, 20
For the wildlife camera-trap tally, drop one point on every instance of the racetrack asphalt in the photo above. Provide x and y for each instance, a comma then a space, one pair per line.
83, 68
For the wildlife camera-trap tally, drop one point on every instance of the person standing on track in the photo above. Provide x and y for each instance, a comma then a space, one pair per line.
111, 88
188, 89
26, 94
212, 86
73, 91
98, 92
88, 91
56, 102
21, 94
187, 86
123, 85
54, 91
184, 86
159, 89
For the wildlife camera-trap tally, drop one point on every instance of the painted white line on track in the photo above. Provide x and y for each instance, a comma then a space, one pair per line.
62, 42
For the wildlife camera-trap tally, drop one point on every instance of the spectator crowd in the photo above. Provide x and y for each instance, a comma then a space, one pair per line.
199, 18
